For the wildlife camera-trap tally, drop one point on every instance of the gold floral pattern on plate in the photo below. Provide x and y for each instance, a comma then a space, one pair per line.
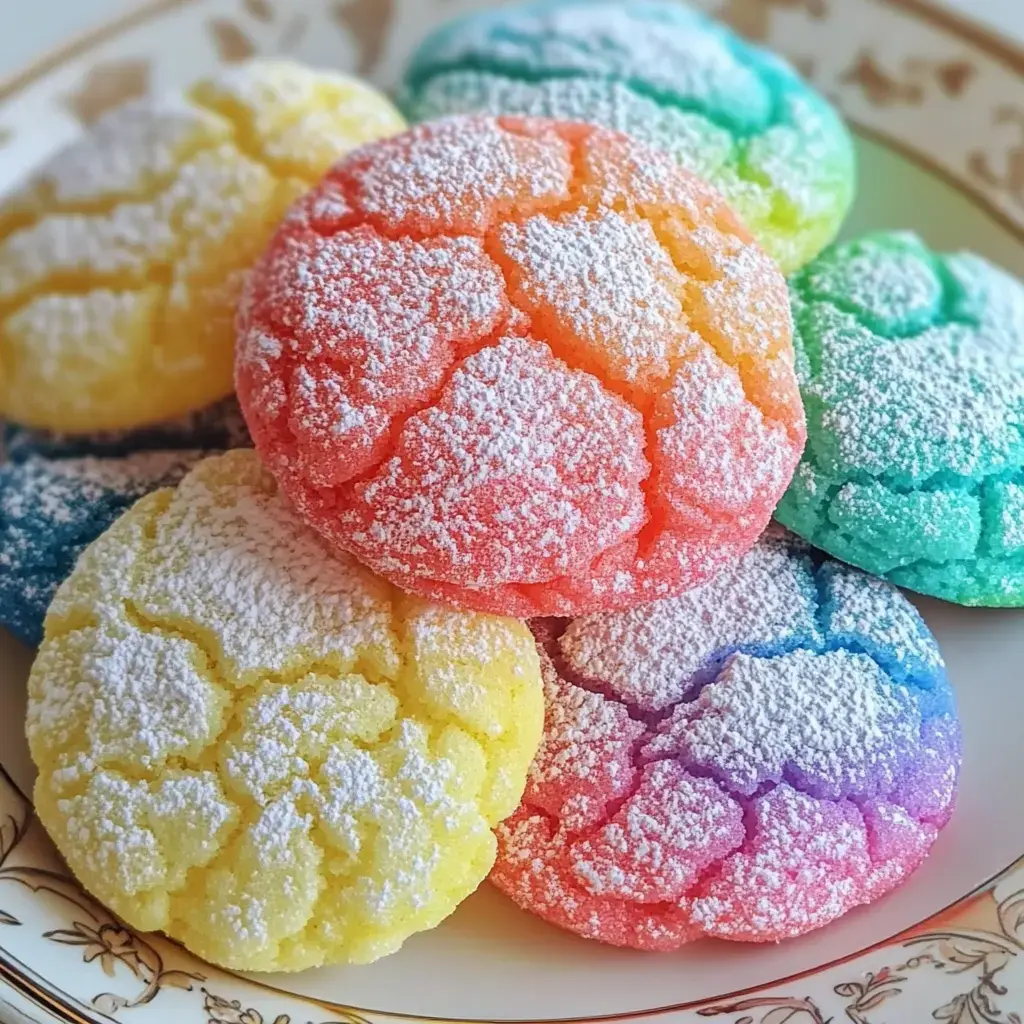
880, 60
108, 85
978, 944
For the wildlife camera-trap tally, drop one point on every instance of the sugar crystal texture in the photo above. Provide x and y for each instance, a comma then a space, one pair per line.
122, 258
52, 509
260, 748
749, 760
911, 365
522, 366
671, 78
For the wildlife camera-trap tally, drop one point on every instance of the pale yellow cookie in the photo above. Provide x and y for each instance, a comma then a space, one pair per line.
121, 260
259, 747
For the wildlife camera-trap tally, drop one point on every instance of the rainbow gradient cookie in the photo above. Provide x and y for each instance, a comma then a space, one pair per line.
748, 761
262, 749
912, 370
731, 113
122, 259
522, 366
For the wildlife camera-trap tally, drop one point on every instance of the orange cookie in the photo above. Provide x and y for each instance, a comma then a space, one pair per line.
523, 366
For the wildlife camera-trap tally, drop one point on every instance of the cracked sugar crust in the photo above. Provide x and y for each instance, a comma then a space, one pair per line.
911, 365
51, 510
522, 366
122, 259
749, 760
260, 748
669, 77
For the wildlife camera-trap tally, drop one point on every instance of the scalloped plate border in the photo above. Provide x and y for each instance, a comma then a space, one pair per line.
896, 68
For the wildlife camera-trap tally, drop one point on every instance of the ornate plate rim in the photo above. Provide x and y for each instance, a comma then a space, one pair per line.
16, 977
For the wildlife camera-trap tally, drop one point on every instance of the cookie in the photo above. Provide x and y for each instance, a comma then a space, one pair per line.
655, 69
912, 368
51, 510
218, 427
522, 366
122, 258
748, 761
263, 750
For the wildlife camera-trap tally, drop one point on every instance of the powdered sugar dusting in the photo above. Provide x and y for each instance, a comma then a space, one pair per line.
867, 608
456, 181
914, 364
371, 351
416, 330
586, 757
832, 722
298, 119
668, 76
608, 285
653, 850
788, 874
129, 151
227, 551
749, 760
721, 456
681, 59
163, 206
655, 655
51, 509
560, 459
225, 717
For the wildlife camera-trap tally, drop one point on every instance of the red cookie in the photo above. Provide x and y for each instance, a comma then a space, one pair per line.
522, 366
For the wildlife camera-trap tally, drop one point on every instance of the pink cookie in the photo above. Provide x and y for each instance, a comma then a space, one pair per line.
750, 760
522, 366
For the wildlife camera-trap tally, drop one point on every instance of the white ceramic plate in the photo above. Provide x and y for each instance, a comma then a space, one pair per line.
939, 109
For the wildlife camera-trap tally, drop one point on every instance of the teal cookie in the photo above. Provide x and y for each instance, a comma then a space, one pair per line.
911, 367
733, 114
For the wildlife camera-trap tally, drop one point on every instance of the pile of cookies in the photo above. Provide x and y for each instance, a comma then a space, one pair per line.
391, 504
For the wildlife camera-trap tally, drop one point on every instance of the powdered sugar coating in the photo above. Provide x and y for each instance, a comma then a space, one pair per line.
667, 76
261, 748
912, 368
522, 366
122, 258
52, 509
749, 760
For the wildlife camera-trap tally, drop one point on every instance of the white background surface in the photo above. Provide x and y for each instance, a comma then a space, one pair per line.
30, 27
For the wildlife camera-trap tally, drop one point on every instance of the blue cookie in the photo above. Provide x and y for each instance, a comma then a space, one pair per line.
731, 113
51, 510
217, 427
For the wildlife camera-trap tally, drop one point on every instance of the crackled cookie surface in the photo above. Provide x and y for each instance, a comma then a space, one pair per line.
912, 369
218, 427
121, 260
667, 75
262, 749
522, 366
748, 761
51, 510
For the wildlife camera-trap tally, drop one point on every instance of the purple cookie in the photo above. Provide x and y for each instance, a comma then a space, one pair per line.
749, 760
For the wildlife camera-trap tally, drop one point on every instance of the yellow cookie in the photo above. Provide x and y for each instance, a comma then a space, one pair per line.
121, 260
262, 749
